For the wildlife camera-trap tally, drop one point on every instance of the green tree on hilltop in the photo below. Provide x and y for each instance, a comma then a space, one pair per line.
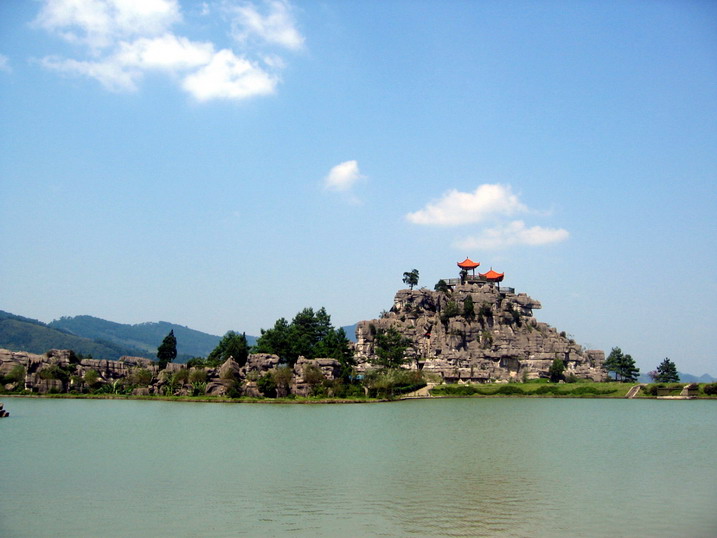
410, 278
667, 372
167, 351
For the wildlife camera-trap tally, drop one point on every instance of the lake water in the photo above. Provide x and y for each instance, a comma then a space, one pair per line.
467, 467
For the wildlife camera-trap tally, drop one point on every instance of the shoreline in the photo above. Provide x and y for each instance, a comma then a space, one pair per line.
338, 401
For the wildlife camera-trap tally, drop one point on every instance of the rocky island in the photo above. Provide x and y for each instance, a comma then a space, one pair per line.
472, 330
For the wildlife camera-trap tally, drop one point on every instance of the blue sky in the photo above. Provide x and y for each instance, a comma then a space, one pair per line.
224, 164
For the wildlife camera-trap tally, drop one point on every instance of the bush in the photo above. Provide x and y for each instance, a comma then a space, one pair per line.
141, 377
180, 377
509, 389
710, 389
267, 385
197, 375
15, 375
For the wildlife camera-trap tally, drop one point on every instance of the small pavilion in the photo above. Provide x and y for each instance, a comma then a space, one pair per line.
493, 276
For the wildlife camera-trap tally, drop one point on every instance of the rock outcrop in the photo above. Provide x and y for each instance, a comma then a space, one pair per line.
60, 371
477, 332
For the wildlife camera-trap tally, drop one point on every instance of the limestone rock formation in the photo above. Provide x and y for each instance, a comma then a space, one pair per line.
477, 332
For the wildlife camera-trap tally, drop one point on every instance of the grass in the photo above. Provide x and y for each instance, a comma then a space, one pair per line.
535, 390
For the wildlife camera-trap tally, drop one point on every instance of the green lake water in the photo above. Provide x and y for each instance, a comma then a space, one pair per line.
463, 467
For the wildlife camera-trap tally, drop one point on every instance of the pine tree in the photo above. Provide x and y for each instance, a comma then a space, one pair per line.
410, 278
167, 351
667, 372
622, 365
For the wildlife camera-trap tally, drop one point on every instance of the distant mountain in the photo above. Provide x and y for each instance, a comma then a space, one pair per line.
18, 333
684, 378
143, 336
350, 331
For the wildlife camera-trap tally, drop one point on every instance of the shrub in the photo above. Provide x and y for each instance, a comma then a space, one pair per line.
91, 378
267, 385
197, 375
180, 377
509, 389
141, 376
710, 389
16, 374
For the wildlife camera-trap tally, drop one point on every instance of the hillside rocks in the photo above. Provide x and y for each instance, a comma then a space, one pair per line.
477, 333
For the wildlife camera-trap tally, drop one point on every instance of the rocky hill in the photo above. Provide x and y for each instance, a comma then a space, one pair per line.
477, 332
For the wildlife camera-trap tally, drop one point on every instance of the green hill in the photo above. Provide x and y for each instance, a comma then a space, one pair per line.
18, 333
142, 336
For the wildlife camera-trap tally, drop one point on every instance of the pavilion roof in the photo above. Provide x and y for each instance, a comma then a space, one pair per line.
468, 264
493, 276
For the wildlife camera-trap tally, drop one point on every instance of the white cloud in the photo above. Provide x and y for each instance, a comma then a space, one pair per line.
229, 77
456, 208
5, 63
167, 52
512, 234
124, 39
277, 27
99, 23
342, 176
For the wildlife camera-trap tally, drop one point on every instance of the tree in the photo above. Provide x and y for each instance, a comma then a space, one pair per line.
622, 365
667, 372
310, 334
232, 345
469, 310
390, 348
410, 278
167, 350
556, 370
442, 286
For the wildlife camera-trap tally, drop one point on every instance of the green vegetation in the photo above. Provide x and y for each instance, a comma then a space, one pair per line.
623, 366
390, 349
585, 389
167, 350
18, 333
410, 278
451, 310
233, 345
310, 334
139, 340
556, 370
442, 286
666, 372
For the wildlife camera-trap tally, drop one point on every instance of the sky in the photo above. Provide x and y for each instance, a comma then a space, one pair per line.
224, 164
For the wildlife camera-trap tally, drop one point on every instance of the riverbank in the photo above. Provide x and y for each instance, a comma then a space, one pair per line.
608, 390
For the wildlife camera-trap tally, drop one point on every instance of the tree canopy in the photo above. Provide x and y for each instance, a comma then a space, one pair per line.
410, 278
167, 350
232, 345
390, 348
667, 372
310, 334
622, 365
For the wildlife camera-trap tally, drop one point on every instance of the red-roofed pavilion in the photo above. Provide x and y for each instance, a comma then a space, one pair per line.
493, 276
468, 264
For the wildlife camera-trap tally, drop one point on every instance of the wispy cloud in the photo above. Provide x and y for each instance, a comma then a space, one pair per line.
124, 40
455, 208
512, 234
276, 26
342, 176
5, 64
